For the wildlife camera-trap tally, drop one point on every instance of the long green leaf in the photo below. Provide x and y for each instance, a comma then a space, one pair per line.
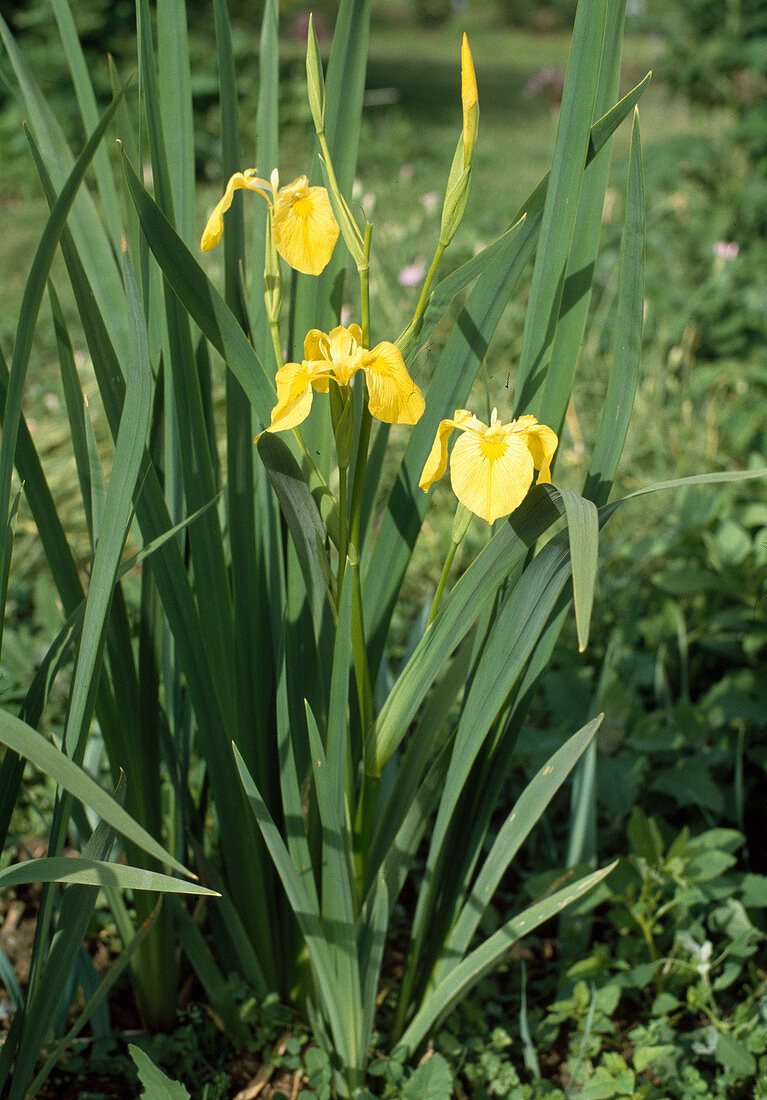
27, 742
438, 1003
99, 997
583, 531
476, 588
338, 914
525, 814
305, 912
407, 505
563, 192
576, 293
94, 872
308, 537
52, 964
86, 101
30, 306
84, 219
621, 388
203, 302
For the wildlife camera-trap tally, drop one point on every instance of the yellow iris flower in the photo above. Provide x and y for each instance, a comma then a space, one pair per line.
393, 396
304, 228
492, 466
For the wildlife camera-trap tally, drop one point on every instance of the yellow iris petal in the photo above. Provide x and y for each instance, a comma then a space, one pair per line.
491, 468
304, 228
294, 395
393, 396
436, 463
542, 442
491, 472
215, 227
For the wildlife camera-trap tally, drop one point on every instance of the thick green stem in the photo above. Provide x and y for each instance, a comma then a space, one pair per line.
274, 328
461, 521
442, 581
343, 536
422, 301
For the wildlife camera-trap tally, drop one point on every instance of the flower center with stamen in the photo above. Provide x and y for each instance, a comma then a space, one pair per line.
492, 445
302, 207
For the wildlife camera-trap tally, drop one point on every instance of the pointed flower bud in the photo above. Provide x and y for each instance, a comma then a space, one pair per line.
315, 81
469, 100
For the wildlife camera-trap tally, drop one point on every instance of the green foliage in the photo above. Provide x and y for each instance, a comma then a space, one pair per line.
265, 623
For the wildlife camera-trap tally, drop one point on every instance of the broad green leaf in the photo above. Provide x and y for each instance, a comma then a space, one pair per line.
90, 872
157, 1085
734, 1055
433, 1080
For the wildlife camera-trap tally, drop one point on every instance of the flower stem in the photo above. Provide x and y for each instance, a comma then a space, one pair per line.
442, 581
364, 274
274, 328
343, 530
461, 522
292, 314
421, 307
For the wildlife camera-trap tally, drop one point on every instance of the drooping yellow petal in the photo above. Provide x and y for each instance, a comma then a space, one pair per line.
542, 443
294, 396
393, 396
469, 100
304, 228
436, 463
211, 235
491, 471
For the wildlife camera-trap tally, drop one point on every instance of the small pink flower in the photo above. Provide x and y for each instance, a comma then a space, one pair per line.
346, 314
430, 201
406, 173
726, 250
412, 275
